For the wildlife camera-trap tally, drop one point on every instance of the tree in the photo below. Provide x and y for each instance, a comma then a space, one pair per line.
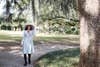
89, 33
13, 9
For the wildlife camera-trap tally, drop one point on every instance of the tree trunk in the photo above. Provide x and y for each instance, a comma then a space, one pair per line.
37, 11
89, 33
33, 9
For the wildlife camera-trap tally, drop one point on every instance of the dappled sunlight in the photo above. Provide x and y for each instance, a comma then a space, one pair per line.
8, 40
16, 52
94, 9
64, 58
11, 33
89, 33
57, 29
43, 45
2, 48
56, 35
8, 49
14, 47
9, 45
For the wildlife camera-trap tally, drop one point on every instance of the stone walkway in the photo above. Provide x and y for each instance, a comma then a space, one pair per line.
11, 56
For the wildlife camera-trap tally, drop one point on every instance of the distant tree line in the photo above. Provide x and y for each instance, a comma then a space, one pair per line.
51, 16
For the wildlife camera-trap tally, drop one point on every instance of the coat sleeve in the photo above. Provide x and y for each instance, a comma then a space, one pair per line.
33, 32
22, 41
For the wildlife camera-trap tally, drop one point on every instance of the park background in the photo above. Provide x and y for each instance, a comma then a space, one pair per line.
57, 32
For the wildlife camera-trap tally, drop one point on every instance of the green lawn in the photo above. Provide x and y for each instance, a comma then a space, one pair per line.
45, 39
61, 58
8, 37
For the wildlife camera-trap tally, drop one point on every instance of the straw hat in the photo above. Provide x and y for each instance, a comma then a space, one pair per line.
31, 24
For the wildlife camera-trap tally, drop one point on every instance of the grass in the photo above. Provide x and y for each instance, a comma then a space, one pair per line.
8, 37
45, 40
61, 58
58, 39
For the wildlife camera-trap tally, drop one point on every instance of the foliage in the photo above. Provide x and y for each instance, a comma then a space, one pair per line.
58, 16
11, 26
58, 8
60, 26
51, 16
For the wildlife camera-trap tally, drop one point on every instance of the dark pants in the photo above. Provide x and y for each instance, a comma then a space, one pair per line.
29, 58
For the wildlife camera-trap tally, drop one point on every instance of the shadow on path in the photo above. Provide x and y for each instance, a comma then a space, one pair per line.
11, 54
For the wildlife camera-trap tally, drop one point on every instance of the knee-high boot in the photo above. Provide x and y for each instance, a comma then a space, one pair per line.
29, 58
25, 59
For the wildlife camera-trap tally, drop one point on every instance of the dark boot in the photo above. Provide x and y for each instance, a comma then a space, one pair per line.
25, 59
29, 58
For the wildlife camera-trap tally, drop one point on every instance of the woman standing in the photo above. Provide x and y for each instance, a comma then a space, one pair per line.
27, 43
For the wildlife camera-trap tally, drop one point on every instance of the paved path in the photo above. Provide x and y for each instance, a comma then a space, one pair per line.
11, 56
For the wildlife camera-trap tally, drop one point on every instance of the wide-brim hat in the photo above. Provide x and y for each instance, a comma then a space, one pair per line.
29, 24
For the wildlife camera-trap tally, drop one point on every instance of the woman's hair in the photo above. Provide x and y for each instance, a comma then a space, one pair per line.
31, 27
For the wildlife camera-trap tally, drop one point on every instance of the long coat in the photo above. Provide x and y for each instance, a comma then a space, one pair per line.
27, 42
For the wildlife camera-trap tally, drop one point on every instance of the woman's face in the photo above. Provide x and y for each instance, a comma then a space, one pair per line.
28, 28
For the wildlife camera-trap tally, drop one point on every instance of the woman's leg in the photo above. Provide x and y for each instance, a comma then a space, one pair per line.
29, 58
25, 59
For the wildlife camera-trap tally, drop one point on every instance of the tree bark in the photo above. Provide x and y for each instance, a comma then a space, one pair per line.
33, 9
89, 33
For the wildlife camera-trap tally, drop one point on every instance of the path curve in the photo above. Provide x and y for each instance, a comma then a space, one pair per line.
11, 56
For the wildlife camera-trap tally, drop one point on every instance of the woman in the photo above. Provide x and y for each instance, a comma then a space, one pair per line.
27, 43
